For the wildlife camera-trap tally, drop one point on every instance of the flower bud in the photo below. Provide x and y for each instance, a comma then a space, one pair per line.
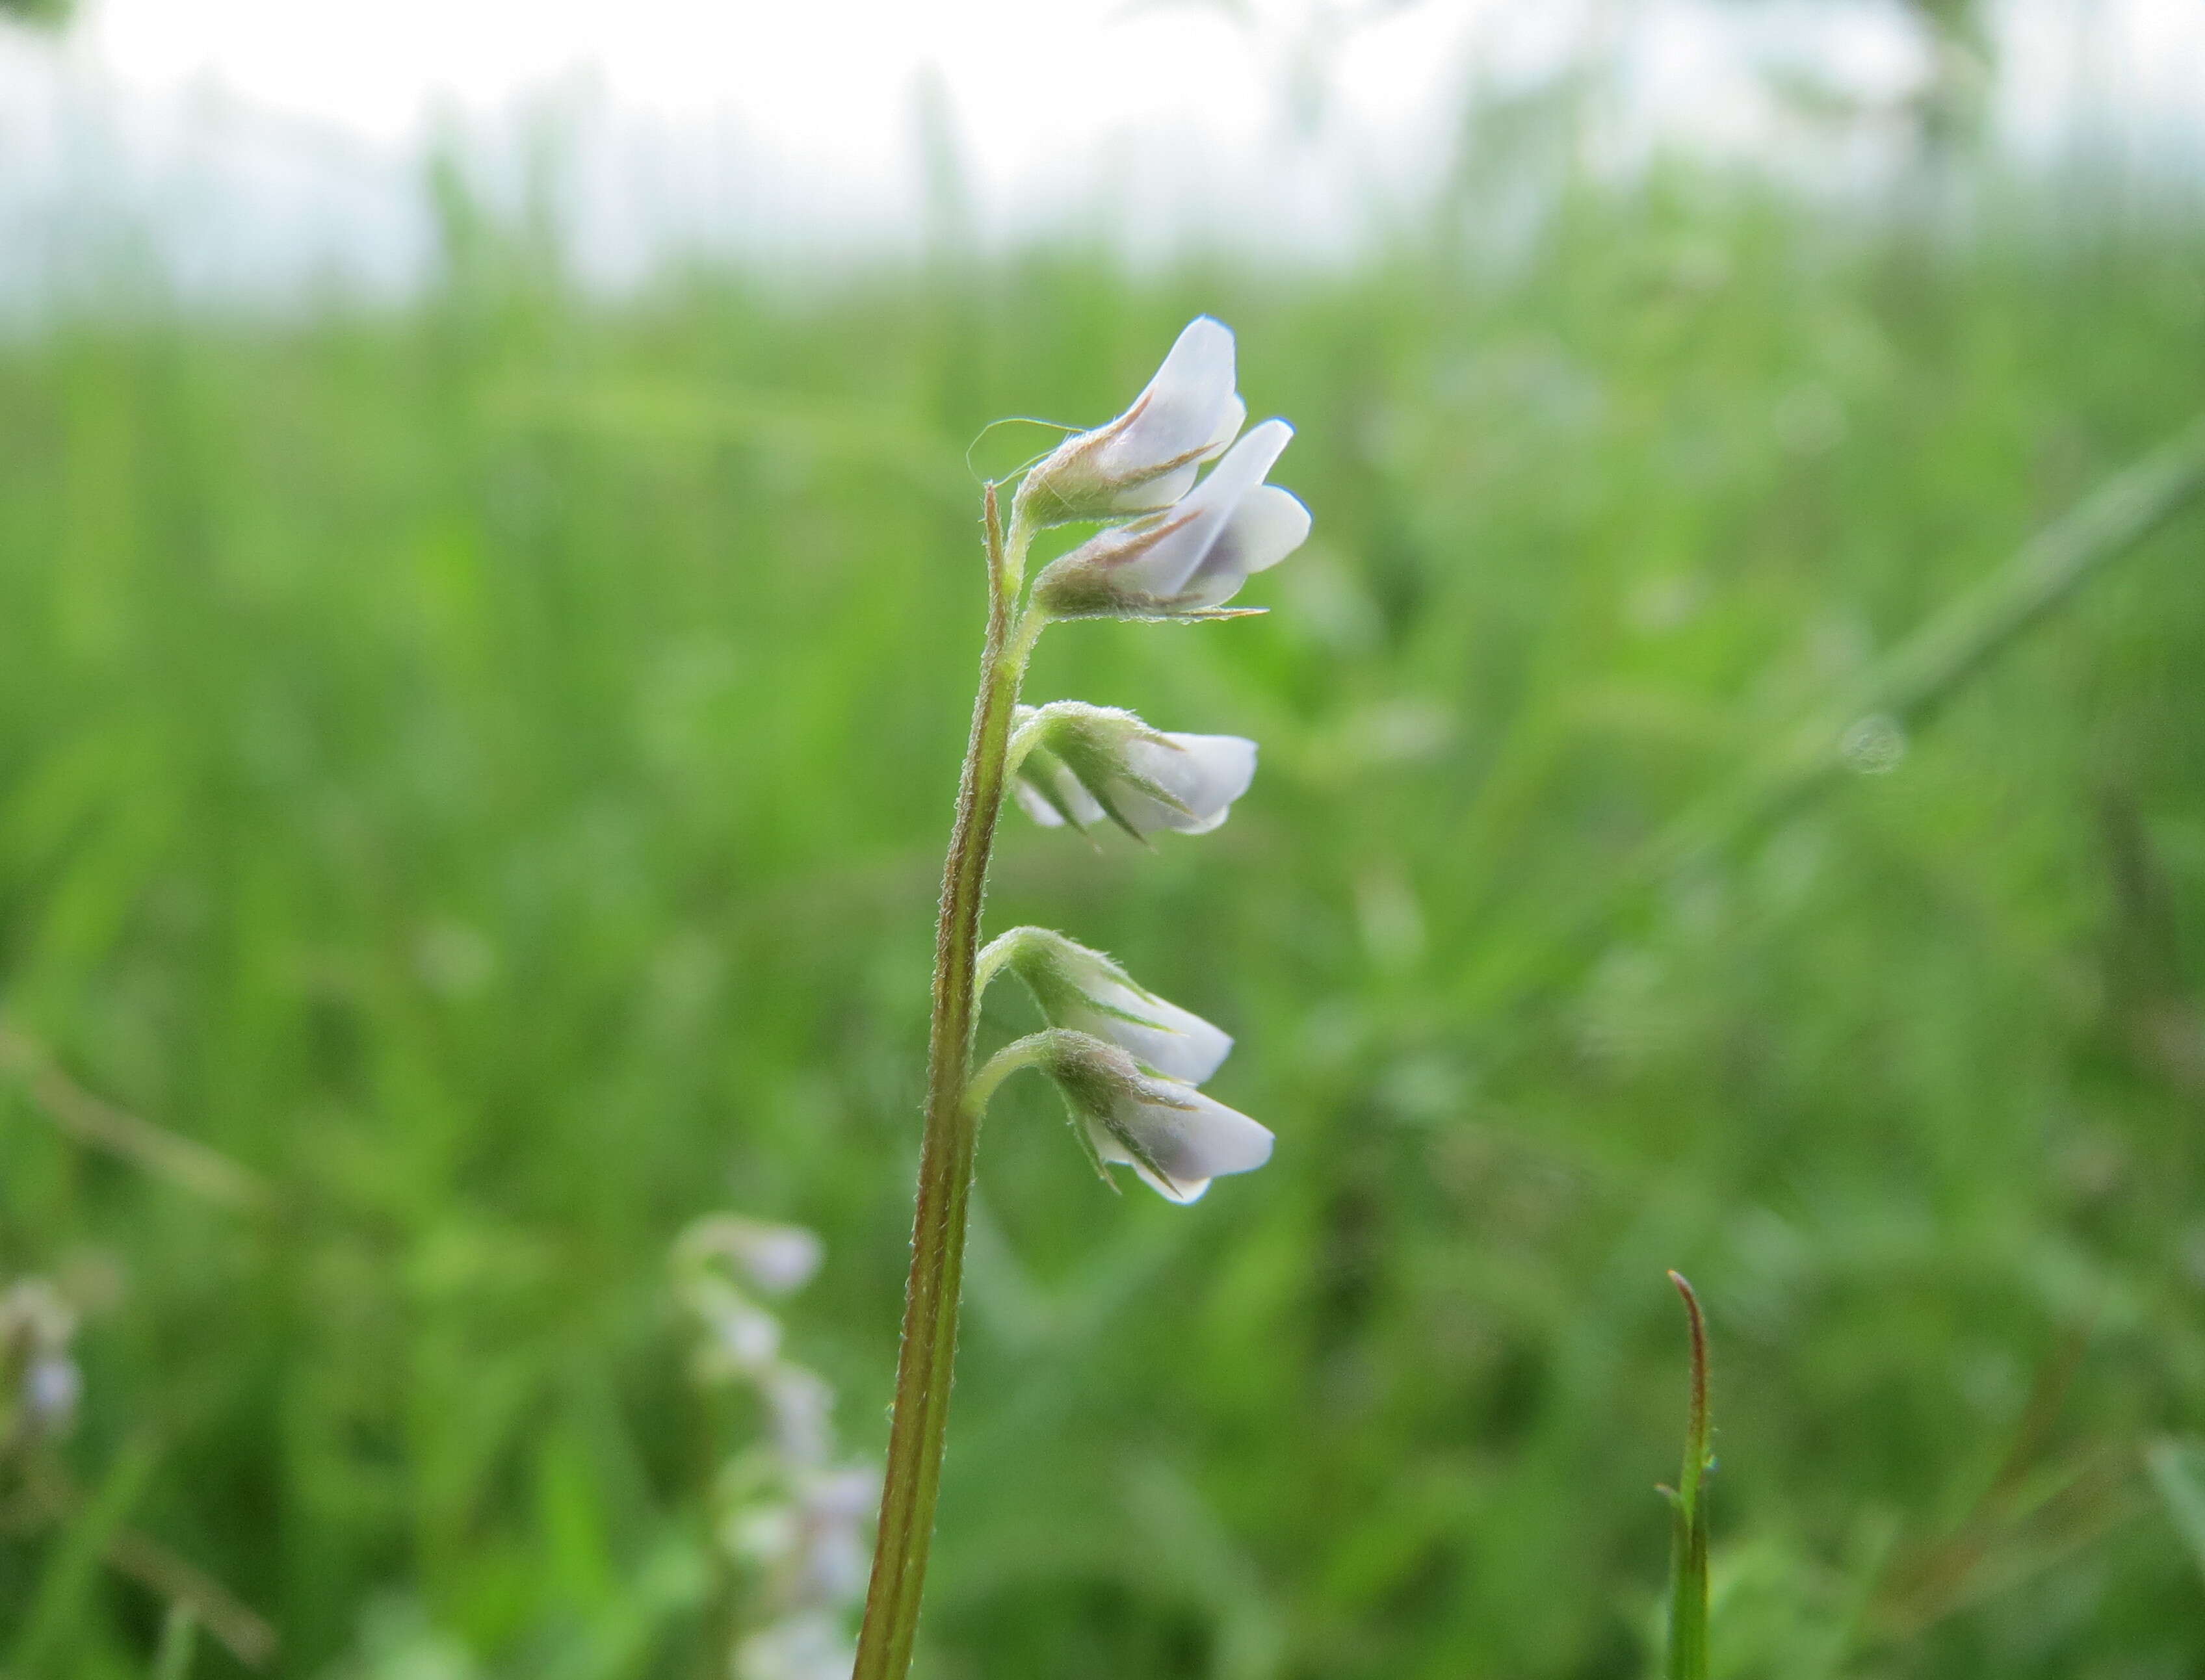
1084, 763
1189, 562
1147, 458
1175, 1138
1084, 991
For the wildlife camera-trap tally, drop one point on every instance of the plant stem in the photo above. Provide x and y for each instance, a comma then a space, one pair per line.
924, 1363
1688, 1577
179, 1635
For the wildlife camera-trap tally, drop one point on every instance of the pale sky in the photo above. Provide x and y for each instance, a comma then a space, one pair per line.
269, 133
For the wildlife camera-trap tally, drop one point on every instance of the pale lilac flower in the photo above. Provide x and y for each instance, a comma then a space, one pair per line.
1173, 1137
1147, 457
1085, 991
1178, 1140
1081, 764
1193, 558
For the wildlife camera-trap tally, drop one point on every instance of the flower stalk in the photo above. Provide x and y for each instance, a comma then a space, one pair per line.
1126, 1062
919, 1429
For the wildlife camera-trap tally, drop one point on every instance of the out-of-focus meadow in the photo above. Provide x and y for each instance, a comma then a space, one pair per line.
481, 766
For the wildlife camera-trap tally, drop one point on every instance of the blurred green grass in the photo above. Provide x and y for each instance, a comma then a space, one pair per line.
483, 766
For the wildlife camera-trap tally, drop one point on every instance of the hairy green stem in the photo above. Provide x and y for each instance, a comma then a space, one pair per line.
919, 1430
994, 955
1015, 1056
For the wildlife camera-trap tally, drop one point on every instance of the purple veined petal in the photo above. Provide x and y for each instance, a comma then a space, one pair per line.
1267, 525
1168, 489
1174, 1042
1204, 773
1149, 457
1184, 408
1192, 1139
1154, 494
1164, 566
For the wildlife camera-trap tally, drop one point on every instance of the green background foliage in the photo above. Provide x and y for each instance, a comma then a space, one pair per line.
37, 11
483, 766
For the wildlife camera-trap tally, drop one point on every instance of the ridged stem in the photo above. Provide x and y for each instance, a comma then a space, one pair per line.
919, 1430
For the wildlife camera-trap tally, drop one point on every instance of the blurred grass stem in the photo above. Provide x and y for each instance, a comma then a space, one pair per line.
919, 1429
1903, 689
1688, 1577
180, 1631
1936, 661
94, 1121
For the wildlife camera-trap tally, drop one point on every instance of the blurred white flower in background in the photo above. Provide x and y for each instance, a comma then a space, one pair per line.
39, 1383
792, 1524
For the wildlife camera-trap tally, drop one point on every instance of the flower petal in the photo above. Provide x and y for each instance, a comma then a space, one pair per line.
1267, 525
1035, 805
1184, 408
1043, 775
1204, 773
1162, 565
1190, 1139
1173, 1041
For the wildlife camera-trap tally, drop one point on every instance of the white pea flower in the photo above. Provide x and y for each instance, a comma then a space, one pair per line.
1084, 991
1178, 1140
1189, 560
1170, 1133
1147, 457
1080, 764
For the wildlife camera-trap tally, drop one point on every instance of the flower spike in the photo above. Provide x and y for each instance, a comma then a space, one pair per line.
1174, 545
1147, 457
1078, 765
